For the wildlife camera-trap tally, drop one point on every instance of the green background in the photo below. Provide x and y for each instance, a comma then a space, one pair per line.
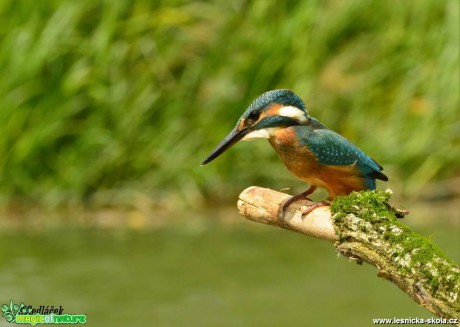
107, 109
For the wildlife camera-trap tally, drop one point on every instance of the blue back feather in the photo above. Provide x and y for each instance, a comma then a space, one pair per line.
333, 149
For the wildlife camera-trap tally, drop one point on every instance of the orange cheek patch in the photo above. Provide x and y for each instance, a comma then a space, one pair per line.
272, 111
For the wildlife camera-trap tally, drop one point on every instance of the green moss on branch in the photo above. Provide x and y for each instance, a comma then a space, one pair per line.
409, 258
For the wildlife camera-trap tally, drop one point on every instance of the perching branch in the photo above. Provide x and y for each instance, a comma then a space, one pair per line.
363, 227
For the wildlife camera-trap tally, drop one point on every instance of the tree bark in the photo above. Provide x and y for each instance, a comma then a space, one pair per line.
364, 227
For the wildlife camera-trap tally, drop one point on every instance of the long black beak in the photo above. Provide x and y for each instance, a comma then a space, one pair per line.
233, 137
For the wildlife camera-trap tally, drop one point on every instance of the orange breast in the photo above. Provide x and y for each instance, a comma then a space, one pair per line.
337, 180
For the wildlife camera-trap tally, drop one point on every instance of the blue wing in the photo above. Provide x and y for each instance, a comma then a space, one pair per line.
333, 149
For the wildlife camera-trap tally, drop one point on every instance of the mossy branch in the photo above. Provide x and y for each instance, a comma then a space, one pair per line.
364, 227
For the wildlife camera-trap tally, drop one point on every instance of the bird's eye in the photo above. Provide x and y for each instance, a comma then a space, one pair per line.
254, 115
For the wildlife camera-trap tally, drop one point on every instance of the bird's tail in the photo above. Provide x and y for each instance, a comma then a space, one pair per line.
370, 183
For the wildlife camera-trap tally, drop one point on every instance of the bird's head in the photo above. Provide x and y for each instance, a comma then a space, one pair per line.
270, 111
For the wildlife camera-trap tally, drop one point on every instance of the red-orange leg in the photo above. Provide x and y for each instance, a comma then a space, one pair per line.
316, 205
298, 197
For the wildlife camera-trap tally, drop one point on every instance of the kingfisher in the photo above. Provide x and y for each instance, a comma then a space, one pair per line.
311, 151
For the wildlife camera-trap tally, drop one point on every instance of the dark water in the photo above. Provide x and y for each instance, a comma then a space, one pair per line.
207, 275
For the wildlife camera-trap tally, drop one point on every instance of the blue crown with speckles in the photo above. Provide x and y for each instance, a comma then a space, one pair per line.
283, 96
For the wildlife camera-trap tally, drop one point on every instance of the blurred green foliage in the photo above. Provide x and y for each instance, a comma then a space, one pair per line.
116, 96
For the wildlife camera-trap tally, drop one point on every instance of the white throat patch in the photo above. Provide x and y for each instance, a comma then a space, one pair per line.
260, 134
293, 112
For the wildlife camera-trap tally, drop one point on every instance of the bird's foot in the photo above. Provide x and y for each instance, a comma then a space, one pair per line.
293, 199
298, 197
314, 206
